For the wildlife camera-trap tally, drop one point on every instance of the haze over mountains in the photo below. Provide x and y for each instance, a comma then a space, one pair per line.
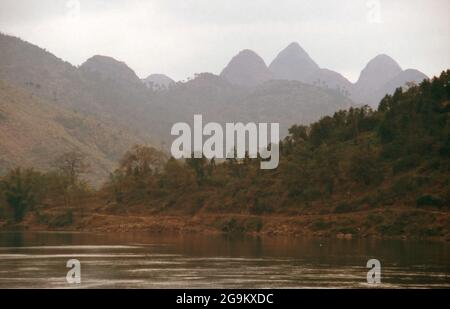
34, 132
293, 63
380, 76
293, 89
158, 82
246, 69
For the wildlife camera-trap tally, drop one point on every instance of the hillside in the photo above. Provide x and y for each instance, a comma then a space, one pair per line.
358, 173
105, 93
108, 90
34, 132
286, 102
381, 76
102, 88
246, 69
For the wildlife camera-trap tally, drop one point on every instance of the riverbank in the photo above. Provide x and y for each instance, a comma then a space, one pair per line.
380, 223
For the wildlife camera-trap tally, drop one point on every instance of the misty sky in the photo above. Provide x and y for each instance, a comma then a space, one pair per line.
180, 38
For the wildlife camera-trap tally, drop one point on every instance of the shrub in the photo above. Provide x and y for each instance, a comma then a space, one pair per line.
259, 206
429, 200
347, 230
344, 207
374, 219
406, 163
230, 225
22, 190
391, 229
253, 224
430, 232
404, 185
320, 225
57, 220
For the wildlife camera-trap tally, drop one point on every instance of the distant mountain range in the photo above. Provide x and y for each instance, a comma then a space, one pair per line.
380, 76
120, 109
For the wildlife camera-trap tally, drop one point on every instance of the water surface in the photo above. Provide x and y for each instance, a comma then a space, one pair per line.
139, 260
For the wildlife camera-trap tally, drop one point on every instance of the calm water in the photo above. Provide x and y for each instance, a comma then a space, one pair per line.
114, 260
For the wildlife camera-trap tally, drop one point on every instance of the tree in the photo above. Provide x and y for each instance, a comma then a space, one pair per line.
298, 133
177, 177
72, 165
22, 191
137, 174
364, 168
199, 165
142, 161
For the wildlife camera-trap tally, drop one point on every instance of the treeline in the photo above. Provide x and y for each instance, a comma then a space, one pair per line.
25, 189
358, 159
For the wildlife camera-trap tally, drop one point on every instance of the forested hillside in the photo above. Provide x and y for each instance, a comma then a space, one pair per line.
358, 172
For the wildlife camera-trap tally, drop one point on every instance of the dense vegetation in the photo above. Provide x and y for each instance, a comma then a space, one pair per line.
357, 160
354, 159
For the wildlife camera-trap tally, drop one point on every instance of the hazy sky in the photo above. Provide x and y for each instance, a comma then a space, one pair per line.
180, 38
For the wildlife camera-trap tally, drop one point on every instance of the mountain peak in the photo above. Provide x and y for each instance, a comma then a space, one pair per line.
293, 63
103, 60
248, 53
384, 60
378, 70
158, 82
109, 68
294, 45
294, 48
380, 76
247, 69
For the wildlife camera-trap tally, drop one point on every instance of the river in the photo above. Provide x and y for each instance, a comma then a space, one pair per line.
139, 260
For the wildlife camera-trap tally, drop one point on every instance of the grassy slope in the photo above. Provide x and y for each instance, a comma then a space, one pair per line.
33, 132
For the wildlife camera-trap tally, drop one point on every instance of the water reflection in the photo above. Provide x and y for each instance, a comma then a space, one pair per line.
118, 260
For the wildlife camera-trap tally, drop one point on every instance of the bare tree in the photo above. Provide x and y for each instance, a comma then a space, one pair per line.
72, 165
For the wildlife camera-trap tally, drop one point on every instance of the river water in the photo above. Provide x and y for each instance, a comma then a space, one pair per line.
139, 260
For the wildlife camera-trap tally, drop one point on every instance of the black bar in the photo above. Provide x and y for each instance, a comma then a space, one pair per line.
368, 298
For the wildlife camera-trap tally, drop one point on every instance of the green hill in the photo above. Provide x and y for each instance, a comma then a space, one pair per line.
384, 172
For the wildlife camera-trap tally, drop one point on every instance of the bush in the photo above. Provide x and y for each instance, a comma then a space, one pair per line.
429, 200
57, 220
374, 219
430, 232
253, 225
320, 225
3, 210
348, 230
404, 185
344, 207
391, 229
259, 207
230, 225
62, 220
22, 189
405, 164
